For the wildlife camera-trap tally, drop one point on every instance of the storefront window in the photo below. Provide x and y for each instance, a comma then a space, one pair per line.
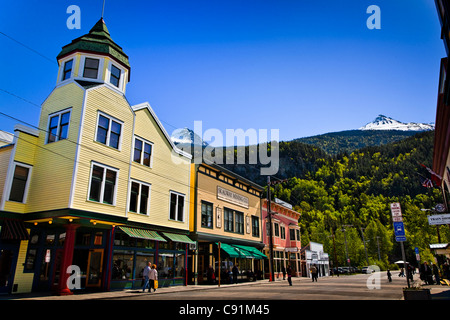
142, 260
165, 265
179, 265
122, 265
31, 258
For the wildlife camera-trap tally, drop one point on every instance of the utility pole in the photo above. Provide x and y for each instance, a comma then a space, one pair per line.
378, 245
365, 249
269, 214
345, 239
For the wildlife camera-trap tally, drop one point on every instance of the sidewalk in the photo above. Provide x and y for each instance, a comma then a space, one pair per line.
130, 292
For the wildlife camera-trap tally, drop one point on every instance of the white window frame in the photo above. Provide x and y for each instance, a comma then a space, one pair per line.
100, 67
63, 64
176, 211
144, 141
27, 184
108, 75
58, 113
138, 207
102, 187
108, 136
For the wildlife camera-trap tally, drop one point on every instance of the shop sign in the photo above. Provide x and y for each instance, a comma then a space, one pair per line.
218, 217
439, 219
232, 197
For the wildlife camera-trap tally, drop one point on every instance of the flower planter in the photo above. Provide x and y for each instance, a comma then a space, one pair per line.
416, 294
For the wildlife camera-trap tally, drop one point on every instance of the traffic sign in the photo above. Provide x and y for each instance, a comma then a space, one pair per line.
400, 238
396, 210
399, 229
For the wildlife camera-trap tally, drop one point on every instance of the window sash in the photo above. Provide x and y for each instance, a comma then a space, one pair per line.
228, 220
103, 184
142, 152
58, 127
207, 215
19, 183
176, 210
67, 72
139, 198
115, 76
108, 131
91, 68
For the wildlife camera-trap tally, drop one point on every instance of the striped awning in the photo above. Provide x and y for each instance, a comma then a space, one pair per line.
142, 233
178, 237
14, 230
238, 251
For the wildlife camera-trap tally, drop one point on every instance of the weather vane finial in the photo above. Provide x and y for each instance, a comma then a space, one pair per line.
103, 9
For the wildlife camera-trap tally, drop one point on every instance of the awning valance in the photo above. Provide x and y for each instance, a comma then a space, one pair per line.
239, 251
14, 230
178, 237
142, 233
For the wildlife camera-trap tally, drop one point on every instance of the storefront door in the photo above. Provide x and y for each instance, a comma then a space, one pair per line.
94, 268
6, 272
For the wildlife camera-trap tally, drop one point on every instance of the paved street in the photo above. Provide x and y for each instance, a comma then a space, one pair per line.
352, 287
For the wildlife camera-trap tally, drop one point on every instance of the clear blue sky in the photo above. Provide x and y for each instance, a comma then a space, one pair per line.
301, 66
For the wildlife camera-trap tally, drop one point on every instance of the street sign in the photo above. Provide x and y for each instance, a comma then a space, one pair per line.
399, 229
400, 238
396, 209
439, 219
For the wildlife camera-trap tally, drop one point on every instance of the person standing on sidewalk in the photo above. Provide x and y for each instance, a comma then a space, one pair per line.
289, 274
145, 274
153, 276
235, 273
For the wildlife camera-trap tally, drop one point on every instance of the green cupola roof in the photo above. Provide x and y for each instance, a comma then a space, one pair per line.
97, 41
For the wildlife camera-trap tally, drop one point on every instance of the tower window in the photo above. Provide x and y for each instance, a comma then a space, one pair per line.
67, 70
91, 68
115, 76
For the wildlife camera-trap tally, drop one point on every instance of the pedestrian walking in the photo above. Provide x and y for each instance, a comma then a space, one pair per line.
153, 278
446, 270
145, 275
436, 274
313, 270
283, 270
426, 273
402, 272
235, 273
289, 274
389, 275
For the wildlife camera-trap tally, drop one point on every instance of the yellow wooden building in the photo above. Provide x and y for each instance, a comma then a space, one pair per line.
100, 186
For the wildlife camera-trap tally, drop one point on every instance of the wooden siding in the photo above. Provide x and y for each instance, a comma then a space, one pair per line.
115, 105
5, 155
24, 281
166, 174
53, 162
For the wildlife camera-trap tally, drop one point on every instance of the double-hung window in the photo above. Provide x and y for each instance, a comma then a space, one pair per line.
228, 218
207, 214
19, 184
91, 68
109, 131
67, 71
176, 211
58, 126
103, 184
143, 152
139, 197
239, 222
115, 76
255, 226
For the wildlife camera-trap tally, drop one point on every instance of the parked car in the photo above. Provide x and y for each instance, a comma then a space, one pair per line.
367, 270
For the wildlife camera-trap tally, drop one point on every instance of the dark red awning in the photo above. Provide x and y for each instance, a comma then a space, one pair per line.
14, 230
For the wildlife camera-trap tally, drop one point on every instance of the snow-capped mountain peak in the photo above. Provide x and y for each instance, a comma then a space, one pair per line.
383, 122
185, 136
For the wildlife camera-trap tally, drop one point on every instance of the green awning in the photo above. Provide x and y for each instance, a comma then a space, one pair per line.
252, 251
238, 251
230, 250
142, 234
178, 237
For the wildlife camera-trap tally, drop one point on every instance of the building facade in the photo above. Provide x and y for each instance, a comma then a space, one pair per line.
99, 189
441, 150
285, 239
226, 223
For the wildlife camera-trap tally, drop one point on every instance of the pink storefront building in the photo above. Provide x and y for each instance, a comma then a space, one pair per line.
286, 239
